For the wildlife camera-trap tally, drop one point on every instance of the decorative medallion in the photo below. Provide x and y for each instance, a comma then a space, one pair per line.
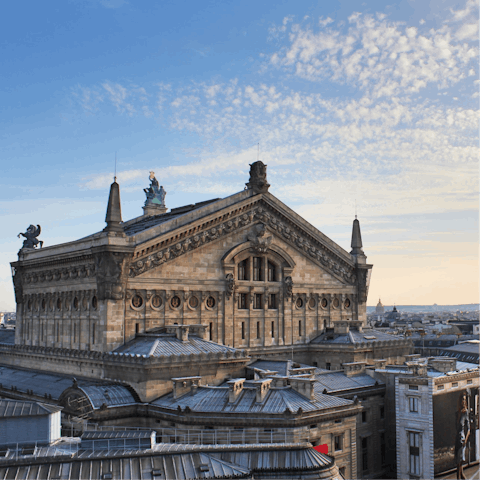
94, 302
312, 303
59, 304
85, 303
210, 302
299, 302
75, 303
324, 303
336, 302
193, 302
175, 302
137, 301
157, 301
347, 303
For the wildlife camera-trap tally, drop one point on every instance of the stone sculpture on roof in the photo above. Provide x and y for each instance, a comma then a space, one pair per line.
31, 235
155, 193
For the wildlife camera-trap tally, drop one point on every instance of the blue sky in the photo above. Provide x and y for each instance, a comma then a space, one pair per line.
371, 103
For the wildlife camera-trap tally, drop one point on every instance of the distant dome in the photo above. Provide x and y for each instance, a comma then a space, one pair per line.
379, 309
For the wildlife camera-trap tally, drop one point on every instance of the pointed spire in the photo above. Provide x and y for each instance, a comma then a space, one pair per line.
356, 239
114, 209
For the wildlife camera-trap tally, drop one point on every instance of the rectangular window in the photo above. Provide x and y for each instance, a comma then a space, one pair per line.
242, 301
469, 382
243, 330
414, 450
440, 387
364, 417
273, 329
271, 272
257, 269
383, 449
74, 333
137, 328
328, 366
58, 333
258, 329
243, 270
299, 328
211, 331
93, 333
413, 404
413, 387
272, 301
365, 453
382, 412
257, 301
454, 384
337, 441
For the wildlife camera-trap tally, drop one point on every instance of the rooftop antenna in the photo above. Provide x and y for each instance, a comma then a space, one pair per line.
115, 176
355, 208
258, 150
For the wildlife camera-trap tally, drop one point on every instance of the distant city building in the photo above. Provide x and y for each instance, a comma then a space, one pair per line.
379, 309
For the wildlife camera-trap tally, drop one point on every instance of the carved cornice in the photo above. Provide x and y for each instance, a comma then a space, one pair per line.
42, 264
288, 230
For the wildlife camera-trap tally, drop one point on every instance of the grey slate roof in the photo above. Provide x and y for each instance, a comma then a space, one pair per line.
112, 434
356, 337
144, 223
20, 408
280, 366
277, 400
54, 384
167, 344
174, 462
336, 381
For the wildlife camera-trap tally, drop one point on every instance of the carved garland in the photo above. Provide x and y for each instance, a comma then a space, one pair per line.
318, 253
78, 271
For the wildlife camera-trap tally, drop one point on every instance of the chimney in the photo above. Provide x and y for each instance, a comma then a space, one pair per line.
199, 330
304, 386
184, 385
302, 371
382, 363
417, 369
444, 364
114, 210
262, 386
341, 328
235, 388
354, 368
182, 333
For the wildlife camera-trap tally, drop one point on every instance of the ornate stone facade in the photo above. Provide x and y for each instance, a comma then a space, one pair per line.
248, 267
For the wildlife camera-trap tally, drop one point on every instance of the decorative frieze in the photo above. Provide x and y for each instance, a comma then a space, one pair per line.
63, 273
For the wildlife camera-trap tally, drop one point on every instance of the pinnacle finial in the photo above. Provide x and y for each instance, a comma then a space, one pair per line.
356, 239
114, 210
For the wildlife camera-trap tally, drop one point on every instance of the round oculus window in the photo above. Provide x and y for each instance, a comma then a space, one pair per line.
312, 303
59, 304
193, 302
347, 303
299, 302
94, 303
210, 302
75, 303
336, 302
324, 303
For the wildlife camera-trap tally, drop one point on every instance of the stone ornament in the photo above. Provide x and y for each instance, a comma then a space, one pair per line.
193, 302
324, 303
157, 301
137, 301
288, 286
347, 303
299, 302
260, 243
312, 303
210, 302
336, 303
110, 273
31, 235
175, 301
94, 302
230, 283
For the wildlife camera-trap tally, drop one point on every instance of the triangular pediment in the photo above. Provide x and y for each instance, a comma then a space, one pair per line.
209, 225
